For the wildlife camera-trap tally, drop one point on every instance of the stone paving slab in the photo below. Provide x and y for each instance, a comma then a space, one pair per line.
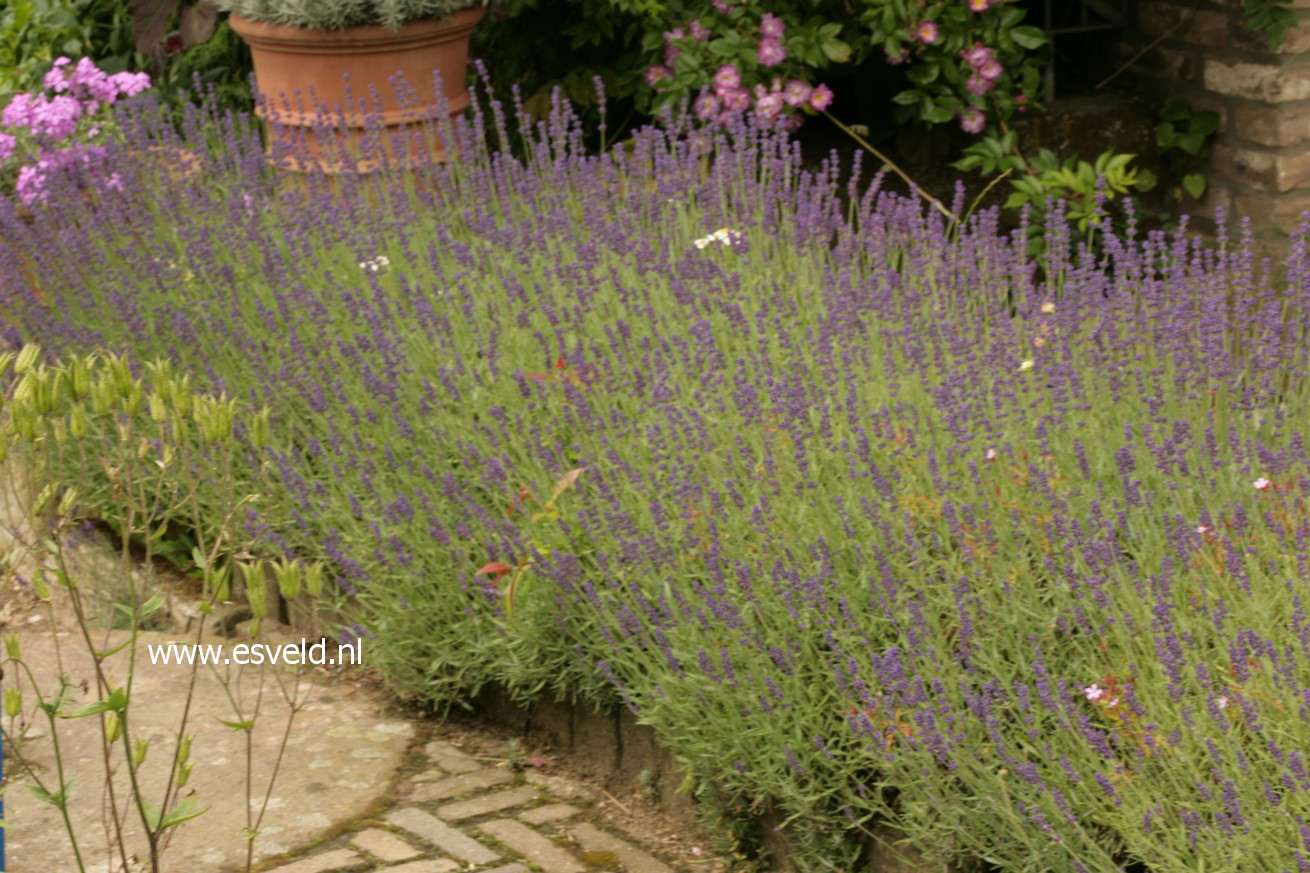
457, 786
384, 846
488, 803
446, 838
538, 849
634, 860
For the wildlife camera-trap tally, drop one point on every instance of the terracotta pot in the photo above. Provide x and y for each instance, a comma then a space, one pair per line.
300, 70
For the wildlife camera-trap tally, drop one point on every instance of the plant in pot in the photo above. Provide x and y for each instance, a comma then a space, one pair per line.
333, 66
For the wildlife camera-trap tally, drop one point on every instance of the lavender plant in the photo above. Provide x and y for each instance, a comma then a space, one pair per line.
874, 519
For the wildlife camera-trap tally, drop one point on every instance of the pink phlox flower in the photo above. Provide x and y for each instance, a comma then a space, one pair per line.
770, 53
7, 144
56, 118
796, 93
1093, 692
821, 97
927, 32
772, 27
130, 84
19, 111
56, 80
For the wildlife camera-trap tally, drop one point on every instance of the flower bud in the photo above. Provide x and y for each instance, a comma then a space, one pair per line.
13, 702
258, 428
60, 429
40, 586
288, 577
78, 375
158, 410
13, 647
67, 500
139, 751
256, 588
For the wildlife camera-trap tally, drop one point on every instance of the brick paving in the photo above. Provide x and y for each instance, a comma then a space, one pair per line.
459, 812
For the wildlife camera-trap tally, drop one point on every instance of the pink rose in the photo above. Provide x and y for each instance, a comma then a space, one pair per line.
770, 53
927, 32
707, 106
796, 93
727, 77
972, 121
656, 74
771, 27
821, 97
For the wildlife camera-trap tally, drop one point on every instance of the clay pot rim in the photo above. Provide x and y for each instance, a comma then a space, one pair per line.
361, 38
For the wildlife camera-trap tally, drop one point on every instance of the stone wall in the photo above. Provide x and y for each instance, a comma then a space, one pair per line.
1202, 52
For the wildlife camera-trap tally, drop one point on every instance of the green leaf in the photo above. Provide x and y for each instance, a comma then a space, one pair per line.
1028, 37
837, 51
152, 605
908, 98
184, 811
238, 725
1175, 109
1195, 184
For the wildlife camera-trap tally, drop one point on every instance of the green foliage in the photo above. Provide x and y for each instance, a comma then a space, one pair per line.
1273, 18
1184, 138
33, 33
1084, 187
337, 14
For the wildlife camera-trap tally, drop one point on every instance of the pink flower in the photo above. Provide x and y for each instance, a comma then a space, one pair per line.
1203, 530
769, 106
656, 74
1262, 484
770, 53
7, 144
728, 77
707, 106
979, 5
1093, 691
991, 71
30, 185
56, 118
55, 80
19, 111
821, 98
927, 32
735, 99
130, 84
723, 7
771, 27
977, 56
990, 455
972, 121
698, 31
796, 93
978, 85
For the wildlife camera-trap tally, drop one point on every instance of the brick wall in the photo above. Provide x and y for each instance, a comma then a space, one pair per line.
1200, 51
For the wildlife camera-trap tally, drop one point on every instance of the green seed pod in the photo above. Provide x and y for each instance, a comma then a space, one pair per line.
44, 498
219, 581
113, 726
67, 500
139, 751
13, 702
256, 587
78, 425
258, 428
6, 359
60, 429
40, 586
183, 774
13, 647
79, 376
181, 395
158, 409
26, 358
288, 577
314, 579
133, 398
103, 394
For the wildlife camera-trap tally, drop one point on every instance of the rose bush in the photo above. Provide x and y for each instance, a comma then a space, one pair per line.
968, 61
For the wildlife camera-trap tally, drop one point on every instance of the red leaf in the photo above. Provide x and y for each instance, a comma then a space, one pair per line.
559, 363
495, 570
